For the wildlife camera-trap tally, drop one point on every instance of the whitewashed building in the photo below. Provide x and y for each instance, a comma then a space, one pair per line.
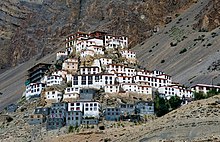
169, 91
34, 90
53, 96
96, 81
54, 80
115, 41
90, 70
91, 109
86, 53
204, 88
75, 106
128, 54
111, 88
71, 94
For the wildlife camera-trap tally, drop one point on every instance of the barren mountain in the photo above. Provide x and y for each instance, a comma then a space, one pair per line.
185, 48
34, 27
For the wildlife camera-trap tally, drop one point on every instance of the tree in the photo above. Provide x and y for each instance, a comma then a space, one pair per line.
212, 92
71, 128
161, 106
199, 95
175, 102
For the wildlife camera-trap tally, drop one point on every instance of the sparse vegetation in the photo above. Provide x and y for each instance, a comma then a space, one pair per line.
177, 14
209, 44
163, 106
177, 34
200, 95
172, 44
183, 51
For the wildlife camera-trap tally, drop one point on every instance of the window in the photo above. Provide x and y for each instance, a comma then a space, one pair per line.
96, 77
87, 109
77, 108
83, 82
90, 79
95, 104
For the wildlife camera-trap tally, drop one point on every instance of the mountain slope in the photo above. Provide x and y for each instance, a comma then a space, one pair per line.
191, 60
195, 122
34, 27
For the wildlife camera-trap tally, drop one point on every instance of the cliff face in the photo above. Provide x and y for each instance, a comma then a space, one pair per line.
37, 27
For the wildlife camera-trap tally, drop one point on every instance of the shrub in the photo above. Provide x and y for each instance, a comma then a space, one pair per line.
107, 140
182, 51
199, 95
177, 14
150, 50
71, 128
162, 61
101, 127
209, 44
173, 44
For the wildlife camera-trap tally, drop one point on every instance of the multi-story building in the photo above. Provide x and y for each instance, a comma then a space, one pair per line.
70, 95
55, 123
91, 109
204, 88
112, 113
53, 96
34, 90
54, 80
96, 81
37, 72
35, 119
73, 118
90, 70
58, 110
169, 91
144, 107
70, 65
75, 106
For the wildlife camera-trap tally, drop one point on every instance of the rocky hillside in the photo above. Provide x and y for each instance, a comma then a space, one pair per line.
195, 122
188, 47
35, 27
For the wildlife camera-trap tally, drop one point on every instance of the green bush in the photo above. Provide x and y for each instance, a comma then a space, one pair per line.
183, 51
199, 96
71, 129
